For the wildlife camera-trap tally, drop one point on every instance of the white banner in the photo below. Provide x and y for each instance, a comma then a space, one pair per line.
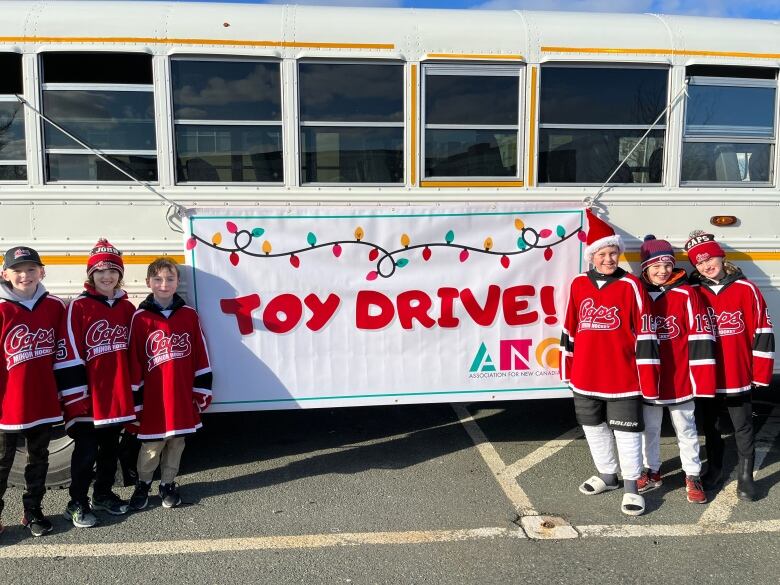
306, 307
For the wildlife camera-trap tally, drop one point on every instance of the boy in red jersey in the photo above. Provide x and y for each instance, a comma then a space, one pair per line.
610, 360
171, 378
687, 365
29, 405
744, 355
94, 382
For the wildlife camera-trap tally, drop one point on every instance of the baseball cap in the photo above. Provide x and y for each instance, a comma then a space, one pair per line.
19, 254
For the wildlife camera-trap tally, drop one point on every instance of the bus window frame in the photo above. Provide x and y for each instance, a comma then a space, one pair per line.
484, 69
11, 98
224, 58
721, 81
74, 86
588, 64
299, 124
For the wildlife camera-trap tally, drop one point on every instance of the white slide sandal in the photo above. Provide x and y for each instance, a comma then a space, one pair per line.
596, 485
633, 505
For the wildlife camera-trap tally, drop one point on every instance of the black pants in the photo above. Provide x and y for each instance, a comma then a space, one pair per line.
37, 463
95, 454
740, 408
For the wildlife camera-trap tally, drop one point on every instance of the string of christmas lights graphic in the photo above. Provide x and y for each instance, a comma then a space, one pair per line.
386, 261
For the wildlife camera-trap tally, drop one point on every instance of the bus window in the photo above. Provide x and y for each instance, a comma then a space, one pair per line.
13, 164
729, 125
106, 100
591, 117
471, 121
228, 121
352, 122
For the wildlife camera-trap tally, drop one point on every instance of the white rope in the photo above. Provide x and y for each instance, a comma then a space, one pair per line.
590, 201
175, 210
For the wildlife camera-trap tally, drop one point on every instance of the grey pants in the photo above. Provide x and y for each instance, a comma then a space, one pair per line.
166, 453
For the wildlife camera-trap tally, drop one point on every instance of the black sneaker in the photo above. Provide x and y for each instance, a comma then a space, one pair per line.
80, 514
140, 497
110, 503
169, 493
36, 522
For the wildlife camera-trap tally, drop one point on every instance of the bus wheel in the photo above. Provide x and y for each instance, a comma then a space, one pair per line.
60, 450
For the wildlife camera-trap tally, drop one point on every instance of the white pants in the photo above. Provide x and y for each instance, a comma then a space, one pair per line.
687, 438
601, 440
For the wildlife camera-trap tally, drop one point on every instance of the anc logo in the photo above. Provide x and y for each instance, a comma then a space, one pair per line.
548, 353
514, 355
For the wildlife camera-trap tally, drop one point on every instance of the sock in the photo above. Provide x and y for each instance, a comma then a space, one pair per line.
629, 486
609, 478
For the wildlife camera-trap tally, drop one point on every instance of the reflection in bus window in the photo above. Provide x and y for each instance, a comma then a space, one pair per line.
471, 121
227, 118
591, 117
13, 166
106, 100
351, 118
729, 127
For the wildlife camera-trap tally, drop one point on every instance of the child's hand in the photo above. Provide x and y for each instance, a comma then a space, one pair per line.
76, 407
201, 401
133, 427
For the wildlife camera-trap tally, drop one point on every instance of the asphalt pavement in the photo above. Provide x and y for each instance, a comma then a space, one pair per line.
476, 493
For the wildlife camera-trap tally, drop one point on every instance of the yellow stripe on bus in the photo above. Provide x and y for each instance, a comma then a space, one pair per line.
532, 129
681, 52
138, 259
75, 260
224, 42
730, 254
413, 129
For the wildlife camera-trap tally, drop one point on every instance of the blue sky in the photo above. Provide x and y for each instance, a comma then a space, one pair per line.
767, 9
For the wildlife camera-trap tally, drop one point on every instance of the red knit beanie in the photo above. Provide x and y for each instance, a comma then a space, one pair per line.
655, 251
702, 246
104, 256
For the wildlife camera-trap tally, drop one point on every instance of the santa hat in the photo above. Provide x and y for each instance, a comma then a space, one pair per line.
104, 256
600, 235
653, 251
702, 246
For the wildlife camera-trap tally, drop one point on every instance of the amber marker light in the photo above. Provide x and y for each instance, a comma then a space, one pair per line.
723, 220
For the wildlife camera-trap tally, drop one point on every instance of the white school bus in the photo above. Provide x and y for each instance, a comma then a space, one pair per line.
110, 111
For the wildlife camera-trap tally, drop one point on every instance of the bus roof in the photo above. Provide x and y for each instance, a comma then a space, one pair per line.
395, 33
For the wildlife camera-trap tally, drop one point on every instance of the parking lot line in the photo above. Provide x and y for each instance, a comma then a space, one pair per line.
508, 484
631, 530
316, 541
547, 450
209, 545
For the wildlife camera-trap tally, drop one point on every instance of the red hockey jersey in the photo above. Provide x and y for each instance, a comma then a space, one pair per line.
745, 341
92, 372
170, 369
687, 351
607, 348
28, 391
